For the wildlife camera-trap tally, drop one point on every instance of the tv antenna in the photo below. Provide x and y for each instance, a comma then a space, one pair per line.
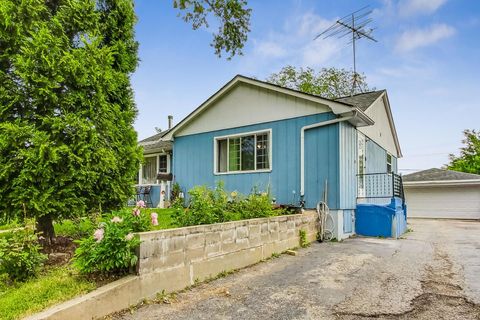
356, 25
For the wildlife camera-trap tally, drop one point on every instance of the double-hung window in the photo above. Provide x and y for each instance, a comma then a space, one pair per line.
389, 163
246, 152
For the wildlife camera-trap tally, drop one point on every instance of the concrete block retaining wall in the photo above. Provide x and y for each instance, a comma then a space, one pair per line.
173, 259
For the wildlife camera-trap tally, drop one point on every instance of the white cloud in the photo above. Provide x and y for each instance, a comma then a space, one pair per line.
294, 44
416, 38
416, 7
270, 49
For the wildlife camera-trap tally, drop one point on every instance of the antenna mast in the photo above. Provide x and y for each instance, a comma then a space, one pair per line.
355, 24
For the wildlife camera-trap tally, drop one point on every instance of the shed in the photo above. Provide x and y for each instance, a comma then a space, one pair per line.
440, 193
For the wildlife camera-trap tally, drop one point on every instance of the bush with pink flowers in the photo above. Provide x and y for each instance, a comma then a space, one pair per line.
111, 248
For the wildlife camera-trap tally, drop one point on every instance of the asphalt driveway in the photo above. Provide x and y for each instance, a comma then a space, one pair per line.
433, 273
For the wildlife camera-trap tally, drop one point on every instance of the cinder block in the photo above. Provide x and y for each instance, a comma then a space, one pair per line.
194, 254
213, 250
174, 259
242, 232
212, 238
175, 244
254, 230
195, 240
228, 235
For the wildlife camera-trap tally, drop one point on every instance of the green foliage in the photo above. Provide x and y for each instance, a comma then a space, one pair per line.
51, 287
207, 206
233, 17
111, 249
75, 228
20, 256
303, 238
469, 158
330, 83
67, 142
255, 205
176, 200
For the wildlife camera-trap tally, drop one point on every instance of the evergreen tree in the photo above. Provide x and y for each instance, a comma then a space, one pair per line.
67, 143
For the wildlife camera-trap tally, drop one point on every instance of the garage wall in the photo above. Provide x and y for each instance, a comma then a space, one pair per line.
458, 202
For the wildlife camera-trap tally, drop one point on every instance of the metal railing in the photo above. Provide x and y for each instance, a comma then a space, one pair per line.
379, 186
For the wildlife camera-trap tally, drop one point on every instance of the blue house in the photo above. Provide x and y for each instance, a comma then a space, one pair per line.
253, 134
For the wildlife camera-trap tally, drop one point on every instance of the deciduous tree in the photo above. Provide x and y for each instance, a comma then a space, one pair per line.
329, 83
469, 158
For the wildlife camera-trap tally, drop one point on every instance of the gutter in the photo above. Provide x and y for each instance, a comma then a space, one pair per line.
352, 115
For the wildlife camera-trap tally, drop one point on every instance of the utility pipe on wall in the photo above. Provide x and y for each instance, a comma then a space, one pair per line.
302, 145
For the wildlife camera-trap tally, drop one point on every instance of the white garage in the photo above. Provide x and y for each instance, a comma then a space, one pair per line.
438, 193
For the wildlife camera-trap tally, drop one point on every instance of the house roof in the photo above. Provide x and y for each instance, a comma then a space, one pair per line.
362, 100
337, 107
434, 174
155, 143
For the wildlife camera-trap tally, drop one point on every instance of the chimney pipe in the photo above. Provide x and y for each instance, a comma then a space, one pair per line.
170, 122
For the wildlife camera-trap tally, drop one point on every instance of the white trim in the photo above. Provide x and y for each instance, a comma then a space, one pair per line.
150, 155
441, 183
243, 134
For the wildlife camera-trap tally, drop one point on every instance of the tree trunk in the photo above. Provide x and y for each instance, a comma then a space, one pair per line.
45, 226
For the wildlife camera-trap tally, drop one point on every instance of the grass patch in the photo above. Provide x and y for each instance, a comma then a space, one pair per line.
165, 220
53, 286
10, 225
75, 228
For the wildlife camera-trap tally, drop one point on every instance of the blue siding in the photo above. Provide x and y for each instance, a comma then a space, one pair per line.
348, 166
193, 162
376, 158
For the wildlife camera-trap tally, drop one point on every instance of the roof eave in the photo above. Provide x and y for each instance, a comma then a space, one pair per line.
441, 183
336, 107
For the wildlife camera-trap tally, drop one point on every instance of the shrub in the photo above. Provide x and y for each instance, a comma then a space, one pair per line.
255, 205
20, 256
208, 206
111, 248
75, 228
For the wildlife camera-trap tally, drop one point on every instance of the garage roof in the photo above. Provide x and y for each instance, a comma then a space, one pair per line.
436, 174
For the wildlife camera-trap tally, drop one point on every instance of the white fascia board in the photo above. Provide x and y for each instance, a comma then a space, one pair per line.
336, 107
441, 183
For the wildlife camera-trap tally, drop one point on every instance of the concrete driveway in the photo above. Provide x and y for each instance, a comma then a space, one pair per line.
433, 273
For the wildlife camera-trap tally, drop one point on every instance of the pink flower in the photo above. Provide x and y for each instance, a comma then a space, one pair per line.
129, 237
141, 204
98, 235
154, 217
136, 212
116, 219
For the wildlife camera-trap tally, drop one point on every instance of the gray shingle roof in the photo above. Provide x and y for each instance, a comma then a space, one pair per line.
154, 143
435, 174
362, 100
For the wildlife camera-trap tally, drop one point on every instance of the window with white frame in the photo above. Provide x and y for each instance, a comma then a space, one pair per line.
152, 165
248, 152
389, 163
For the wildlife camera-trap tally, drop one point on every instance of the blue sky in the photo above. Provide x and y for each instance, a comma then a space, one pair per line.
427, 57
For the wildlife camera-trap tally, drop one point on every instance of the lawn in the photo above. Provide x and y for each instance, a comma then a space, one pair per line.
52, 286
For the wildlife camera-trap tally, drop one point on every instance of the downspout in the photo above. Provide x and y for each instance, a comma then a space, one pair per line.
302, 145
